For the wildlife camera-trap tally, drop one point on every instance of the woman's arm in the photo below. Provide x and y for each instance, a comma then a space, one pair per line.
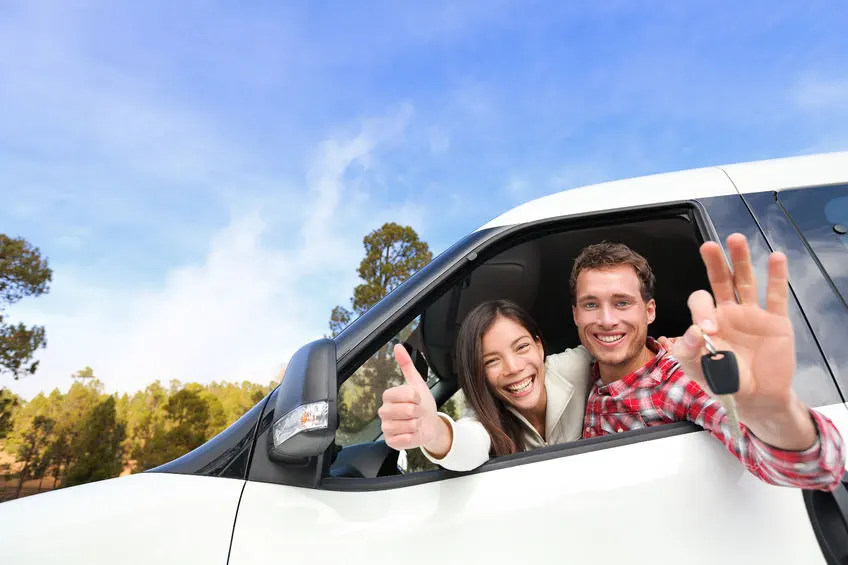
409, 419
468, 444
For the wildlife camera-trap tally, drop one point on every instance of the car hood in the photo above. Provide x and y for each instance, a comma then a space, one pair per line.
144, 518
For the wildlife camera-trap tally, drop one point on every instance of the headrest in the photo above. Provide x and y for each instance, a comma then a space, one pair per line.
512, 275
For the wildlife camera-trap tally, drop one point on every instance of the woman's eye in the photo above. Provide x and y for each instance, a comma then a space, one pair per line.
523, 346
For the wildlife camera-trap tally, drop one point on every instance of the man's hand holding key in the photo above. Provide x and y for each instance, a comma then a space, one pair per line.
761, 339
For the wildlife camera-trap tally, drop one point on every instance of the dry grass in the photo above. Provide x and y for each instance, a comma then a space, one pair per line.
9, 469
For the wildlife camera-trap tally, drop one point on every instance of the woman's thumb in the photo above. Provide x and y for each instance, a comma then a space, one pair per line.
410, 373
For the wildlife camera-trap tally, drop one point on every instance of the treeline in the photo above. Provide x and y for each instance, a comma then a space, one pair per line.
85, 435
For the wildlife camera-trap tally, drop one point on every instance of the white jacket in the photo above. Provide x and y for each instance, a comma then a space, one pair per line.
567, 382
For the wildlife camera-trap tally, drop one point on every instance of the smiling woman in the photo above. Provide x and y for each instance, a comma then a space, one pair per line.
519, 396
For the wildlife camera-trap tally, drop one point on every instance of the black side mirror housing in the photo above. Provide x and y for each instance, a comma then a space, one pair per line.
306, 411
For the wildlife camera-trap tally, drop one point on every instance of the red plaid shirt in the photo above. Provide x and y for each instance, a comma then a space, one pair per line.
660, 393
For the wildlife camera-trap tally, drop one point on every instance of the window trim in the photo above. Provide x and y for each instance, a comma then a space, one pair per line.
538, 455
400, 308
768, 215
359, 340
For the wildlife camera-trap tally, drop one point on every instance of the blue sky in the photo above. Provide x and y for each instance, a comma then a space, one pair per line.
201, 176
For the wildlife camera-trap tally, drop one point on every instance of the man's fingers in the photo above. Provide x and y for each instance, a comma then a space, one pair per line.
688, 347
410, 373
688, 350
743, 271
721, 281
703, 311
777, 291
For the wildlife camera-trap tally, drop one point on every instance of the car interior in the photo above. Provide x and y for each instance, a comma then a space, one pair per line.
535, 274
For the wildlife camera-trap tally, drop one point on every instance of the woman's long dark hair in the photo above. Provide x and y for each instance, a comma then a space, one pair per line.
501, 424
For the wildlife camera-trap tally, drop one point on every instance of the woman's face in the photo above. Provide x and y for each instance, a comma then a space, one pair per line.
514, 364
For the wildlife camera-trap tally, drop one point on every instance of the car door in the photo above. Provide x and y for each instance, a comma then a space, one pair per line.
660, 494
808, 223
678, 496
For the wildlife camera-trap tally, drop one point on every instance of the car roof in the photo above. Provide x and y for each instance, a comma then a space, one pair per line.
720, 180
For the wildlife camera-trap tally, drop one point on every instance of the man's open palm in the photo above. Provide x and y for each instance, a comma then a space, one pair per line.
761, 338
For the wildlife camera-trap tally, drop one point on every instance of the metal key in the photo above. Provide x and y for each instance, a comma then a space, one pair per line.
722, 374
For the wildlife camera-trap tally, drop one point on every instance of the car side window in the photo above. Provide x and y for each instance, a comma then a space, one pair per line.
821, 215
361, 395
415, 460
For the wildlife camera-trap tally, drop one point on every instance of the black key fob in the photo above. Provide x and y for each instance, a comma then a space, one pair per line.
721, 371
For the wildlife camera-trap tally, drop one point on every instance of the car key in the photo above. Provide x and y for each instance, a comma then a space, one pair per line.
722, 374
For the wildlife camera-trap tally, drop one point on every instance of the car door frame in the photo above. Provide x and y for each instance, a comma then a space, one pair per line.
365, 335
392, 313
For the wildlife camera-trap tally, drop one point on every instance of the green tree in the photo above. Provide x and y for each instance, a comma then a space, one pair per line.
71, 411
145, 420
9, 402
235, 400
23, 272
185, 428
393, 253
29, 439
98, 446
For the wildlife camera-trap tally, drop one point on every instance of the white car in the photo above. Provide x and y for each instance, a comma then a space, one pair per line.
283, 484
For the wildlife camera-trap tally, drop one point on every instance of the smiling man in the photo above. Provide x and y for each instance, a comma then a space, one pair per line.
638, 383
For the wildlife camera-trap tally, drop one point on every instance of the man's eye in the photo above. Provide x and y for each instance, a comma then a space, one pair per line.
589, 305
624, 303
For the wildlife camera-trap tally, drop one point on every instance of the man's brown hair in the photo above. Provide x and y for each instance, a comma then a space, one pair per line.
606, 254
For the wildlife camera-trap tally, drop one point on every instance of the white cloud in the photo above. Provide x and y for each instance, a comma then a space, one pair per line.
822, 93
238, 312
517, 187
821, 101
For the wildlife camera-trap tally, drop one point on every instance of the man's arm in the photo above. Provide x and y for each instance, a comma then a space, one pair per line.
820, 466
784, 442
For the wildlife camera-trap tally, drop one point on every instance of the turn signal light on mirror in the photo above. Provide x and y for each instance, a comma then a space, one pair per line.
313, 416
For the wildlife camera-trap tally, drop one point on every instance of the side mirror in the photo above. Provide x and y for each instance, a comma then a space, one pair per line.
306, 413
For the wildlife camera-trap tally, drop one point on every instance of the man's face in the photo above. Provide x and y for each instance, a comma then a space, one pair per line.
611, 316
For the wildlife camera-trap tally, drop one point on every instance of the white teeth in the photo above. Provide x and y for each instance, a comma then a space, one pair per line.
522, 386
610, 338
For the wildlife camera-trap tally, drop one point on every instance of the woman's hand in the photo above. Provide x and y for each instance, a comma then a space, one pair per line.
408, 413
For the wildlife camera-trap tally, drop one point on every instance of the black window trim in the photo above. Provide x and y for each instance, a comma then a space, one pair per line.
399, 308
538, 455
364, 336
765, 208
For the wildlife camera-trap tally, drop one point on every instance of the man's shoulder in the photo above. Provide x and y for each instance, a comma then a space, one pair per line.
673, 376
668, 368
